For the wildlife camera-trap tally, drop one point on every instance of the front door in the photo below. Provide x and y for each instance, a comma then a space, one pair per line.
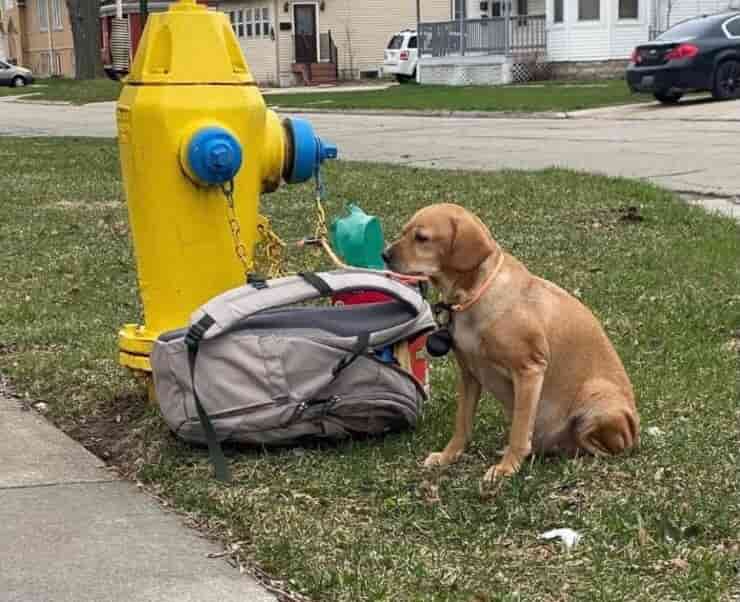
304, 17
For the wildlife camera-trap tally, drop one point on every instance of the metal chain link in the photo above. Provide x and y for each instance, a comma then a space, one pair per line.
273, 245
239, 247
320, 230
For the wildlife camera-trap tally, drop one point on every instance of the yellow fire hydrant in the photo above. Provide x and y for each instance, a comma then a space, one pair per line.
198, 146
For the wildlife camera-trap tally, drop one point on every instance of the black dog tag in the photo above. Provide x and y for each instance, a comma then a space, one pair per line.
439, 342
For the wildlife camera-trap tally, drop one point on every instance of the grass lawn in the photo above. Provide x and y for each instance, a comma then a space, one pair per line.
360, 521
69, 90
551, 96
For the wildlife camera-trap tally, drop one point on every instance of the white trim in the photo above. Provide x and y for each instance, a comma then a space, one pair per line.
318, 26
727, 33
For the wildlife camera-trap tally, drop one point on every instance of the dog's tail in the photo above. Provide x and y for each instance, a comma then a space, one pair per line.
608, 430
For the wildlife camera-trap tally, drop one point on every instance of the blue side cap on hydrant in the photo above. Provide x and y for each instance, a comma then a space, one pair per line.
214, 155
309, 151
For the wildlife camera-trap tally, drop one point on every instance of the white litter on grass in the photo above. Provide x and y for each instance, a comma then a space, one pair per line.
654, 431
569, 537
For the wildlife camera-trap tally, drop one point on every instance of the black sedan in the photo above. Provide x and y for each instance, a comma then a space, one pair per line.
697, 55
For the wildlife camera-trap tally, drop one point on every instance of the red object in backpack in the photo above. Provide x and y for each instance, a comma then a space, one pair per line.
419, 363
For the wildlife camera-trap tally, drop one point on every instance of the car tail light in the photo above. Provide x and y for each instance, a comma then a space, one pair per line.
635, 57
404, 55
682, 51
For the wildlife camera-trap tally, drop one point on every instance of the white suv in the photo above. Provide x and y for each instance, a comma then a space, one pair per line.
401, 56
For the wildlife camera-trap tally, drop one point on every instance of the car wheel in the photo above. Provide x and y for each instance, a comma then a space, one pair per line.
727, 81
402, 79
18, 82
668, 98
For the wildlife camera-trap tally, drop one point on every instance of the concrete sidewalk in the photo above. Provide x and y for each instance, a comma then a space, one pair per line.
70, 531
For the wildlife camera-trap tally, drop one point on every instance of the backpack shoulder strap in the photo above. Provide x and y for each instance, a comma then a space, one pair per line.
231, 307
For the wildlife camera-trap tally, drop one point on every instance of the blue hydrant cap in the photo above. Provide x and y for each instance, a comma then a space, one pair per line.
309, 151
214, 155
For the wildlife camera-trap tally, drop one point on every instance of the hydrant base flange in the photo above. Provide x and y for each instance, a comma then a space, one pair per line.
135, 346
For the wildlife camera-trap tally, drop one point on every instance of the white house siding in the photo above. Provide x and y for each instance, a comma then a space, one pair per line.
685, 9
361, 30
259, 50
607, 39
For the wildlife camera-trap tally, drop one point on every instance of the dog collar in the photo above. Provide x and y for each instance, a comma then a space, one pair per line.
482, 289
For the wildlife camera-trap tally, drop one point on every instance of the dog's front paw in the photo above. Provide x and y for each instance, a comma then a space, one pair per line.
437, 459
503, 469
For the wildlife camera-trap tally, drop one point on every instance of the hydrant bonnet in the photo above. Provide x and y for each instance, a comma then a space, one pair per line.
213, 155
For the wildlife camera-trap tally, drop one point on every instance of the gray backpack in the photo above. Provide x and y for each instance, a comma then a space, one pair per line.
250, 369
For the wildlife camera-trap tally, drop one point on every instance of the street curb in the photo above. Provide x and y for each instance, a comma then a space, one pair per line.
443, 114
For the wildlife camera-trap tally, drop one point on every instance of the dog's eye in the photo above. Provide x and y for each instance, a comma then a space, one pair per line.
420, 236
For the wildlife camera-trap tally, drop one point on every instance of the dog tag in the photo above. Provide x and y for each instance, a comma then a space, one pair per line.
439, 342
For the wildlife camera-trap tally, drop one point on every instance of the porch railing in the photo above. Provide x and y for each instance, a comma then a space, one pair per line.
497, 35
328, 48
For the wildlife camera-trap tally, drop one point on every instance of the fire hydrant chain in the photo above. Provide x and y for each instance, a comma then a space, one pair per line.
273, 245
239, 248
321, 230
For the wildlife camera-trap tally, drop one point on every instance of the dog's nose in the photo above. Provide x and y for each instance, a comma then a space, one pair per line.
386, 255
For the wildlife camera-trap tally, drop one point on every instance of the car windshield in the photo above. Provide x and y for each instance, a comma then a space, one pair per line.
4, 65
395, 43
688, 30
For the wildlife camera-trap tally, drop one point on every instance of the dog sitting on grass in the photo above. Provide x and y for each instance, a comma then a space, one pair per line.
535, 347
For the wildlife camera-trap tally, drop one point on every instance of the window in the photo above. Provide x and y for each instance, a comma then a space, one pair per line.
56, 14
412, 43
459, 9
522, 7
43, 10
251, 23
628, 9
687, 30
496, 9
395, 43
732, 27
588, 10
266, 27
558, 12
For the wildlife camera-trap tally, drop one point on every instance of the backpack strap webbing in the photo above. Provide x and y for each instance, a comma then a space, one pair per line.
215, 451
317, 282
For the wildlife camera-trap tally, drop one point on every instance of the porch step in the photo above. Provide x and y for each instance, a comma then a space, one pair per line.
314, 74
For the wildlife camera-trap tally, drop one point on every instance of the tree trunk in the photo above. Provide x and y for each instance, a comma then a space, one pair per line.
85, 19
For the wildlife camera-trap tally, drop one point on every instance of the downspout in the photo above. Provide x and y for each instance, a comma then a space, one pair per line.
51, 37
276, 35
462, 27
419, 41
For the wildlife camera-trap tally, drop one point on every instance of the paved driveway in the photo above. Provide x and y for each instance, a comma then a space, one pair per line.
689, 148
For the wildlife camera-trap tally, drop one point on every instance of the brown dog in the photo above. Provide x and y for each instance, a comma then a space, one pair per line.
535, 347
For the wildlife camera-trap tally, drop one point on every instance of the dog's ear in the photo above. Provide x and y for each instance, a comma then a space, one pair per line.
470, 244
